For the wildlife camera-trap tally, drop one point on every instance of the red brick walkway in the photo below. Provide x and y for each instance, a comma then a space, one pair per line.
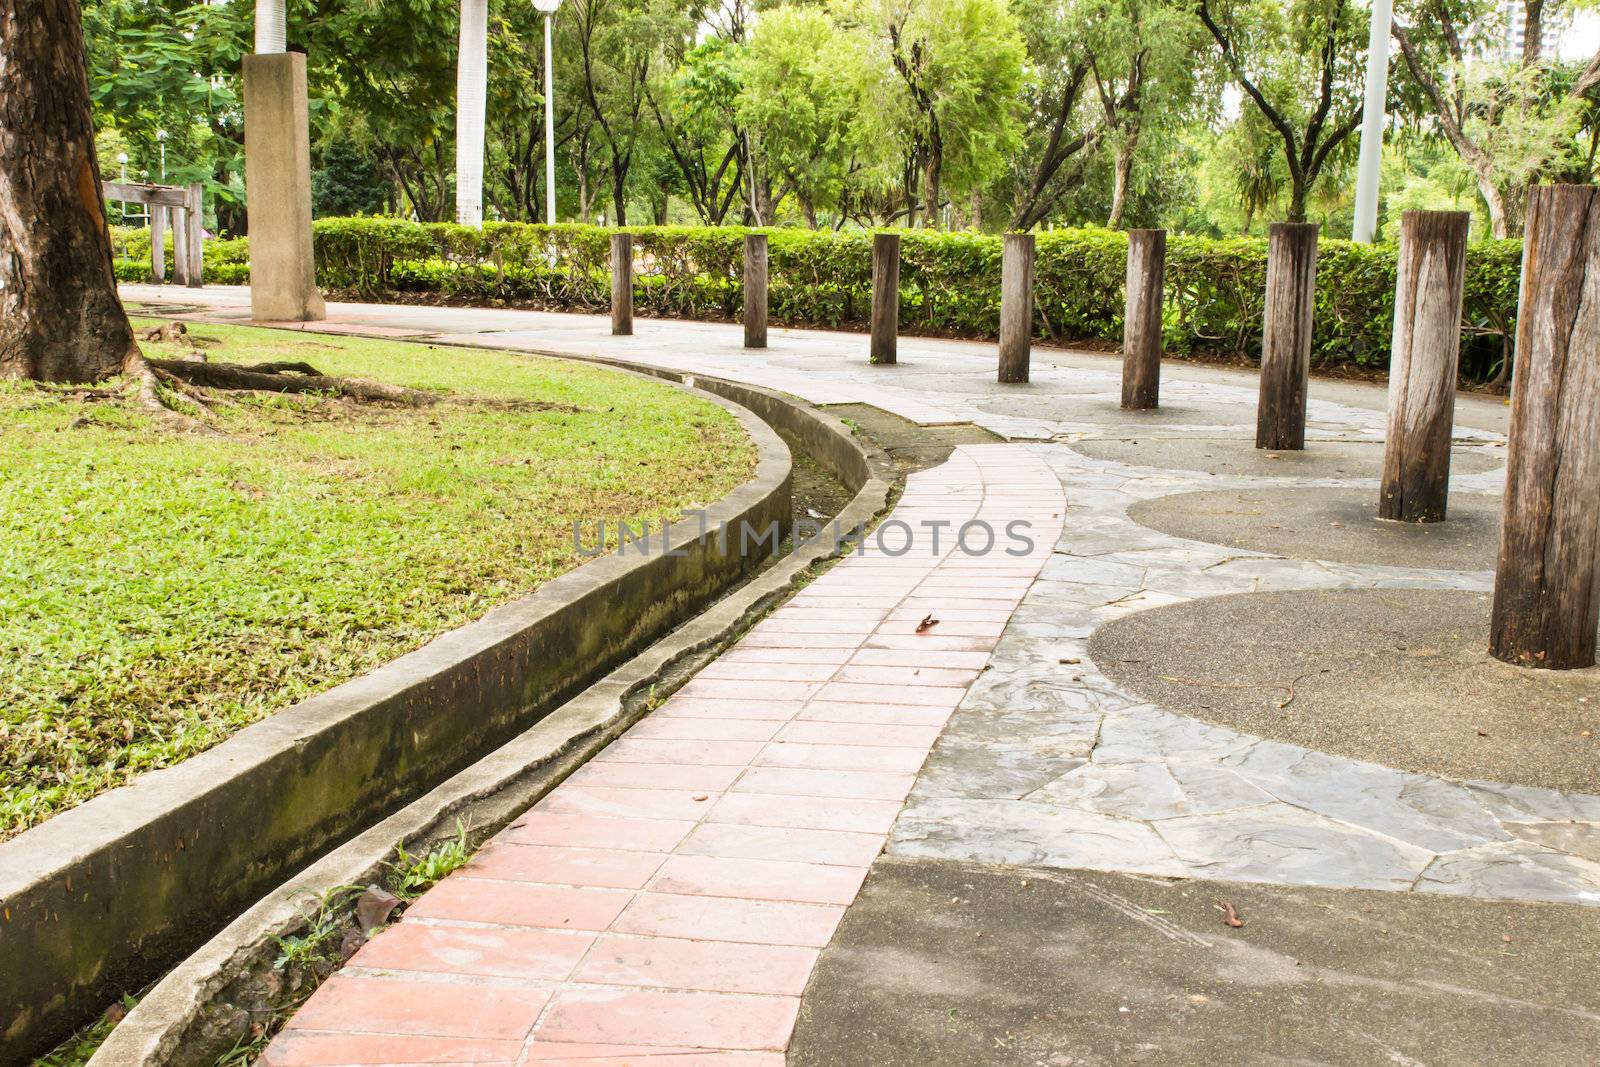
665, 905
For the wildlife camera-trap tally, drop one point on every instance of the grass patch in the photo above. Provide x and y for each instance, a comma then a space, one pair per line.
161, 590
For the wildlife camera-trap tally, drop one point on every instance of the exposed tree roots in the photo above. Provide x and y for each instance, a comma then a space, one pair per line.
287, 378
182, 393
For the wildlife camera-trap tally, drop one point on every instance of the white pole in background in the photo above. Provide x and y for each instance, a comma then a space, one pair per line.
549, 9
271, 29
1366, 220
472, 76
549, 129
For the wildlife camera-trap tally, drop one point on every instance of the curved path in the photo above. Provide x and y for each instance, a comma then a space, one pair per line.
672, 896
666, 905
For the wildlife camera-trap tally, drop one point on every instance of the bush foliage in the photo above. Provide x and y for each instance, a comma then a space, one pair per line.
949, 282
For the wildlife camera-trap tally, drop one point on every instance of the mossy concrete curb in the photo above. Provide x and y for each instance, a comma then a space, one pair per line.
105, 896
166, 1027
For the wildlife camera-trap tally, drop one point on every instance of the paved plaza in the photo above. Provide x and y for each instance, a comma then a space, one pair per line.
695, 894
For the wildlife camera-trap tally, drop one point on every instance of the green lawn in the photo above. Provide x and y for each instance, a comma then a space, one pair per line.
158, 590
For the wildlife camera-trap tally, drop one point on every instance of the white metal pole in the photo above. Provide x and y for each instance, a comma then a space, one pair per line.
1370, 163
472, 76
271, 27
549, 128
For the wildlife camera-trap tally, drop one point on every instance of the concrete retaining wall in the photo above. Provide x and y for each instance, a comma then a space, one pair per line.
106, 896
194, 1011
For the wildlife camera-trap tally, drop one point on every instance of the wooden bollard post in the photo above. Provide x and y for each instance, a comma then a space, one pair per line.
1286, 342
1423, 365
755, 290
622, 284
158, 243
1141, 320
1544, 589
885, 295
1016, 306
180, 246
194, 204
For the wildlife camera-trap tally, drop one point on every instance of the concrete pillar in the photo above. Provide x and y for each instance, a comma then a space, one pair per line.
277, 177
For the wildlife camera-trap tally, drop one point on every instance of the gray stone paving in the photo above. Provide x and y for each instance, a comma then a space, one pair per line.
1047, 762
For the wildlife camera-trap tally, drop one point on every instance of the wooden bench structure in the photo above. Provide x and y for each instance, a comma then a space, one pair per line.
183, 205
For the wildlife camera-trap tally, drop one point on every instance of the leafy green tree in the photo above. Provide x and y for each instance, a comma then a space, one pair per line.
798, 94
620, 46
947, 86
1512, 122
1300, 62
696, 111
171, 66
1102, 74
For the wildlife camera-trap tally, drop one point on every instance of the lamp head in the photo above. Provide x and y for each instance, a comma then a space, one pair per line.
161, 135
122, 157
547, 6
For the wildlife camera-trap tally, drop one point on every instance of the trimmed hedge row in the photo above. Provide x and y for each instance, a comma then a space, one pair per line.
225, 262
950, 282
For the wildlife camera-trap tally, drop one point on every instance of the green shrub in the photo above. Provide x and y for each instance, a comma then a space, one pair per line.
225, 261
949, 282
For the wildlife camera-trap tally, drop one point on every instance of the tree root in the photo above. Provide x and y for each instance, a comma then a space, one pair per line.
290, 378
147, 385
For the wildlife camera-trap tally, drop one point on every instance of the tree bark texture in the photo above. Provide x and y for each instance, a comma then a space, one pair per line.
885, 296
60, 317
755, 290
1016, 306
1286, 343
1545, 601
1423, 365
1141, 320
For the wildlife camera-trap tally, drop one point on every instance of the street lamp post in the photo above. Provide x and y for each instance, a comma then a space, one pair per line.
161, 139
549, 9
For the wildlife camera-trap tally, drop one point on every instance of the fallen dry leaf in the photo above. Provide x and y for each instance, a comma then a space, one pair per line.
928, 622
1229, 916
374, 907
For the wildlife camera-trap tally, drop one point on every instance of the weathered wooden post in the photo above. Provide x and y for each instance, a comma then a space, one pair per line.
1544, 591
180, 245
1016, 306
1423, 365
194, 206
622, 284
1141, 320
1286, 342
158, 243
885, 295
755, 290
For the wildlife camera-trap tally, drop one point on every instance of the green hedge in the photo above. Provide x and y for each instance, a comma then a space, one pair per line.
949, 282
226, 262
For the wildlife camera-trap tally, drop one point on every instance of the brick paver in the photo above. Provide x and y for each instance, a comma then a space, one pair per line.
665, 905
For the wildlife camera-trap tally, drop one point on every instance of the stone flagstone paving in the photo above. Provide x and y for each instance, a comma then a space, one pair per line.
667, 902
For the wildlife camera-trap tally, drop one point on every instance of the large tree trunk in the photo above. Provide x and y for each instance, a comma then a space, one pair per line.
60, 317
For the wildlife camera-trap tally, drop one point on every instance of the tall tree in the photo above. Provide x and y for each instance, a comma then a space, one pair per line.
954, 90
619, 44
798, 97
696, 113
1511, 122
1275, 52
60, 317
